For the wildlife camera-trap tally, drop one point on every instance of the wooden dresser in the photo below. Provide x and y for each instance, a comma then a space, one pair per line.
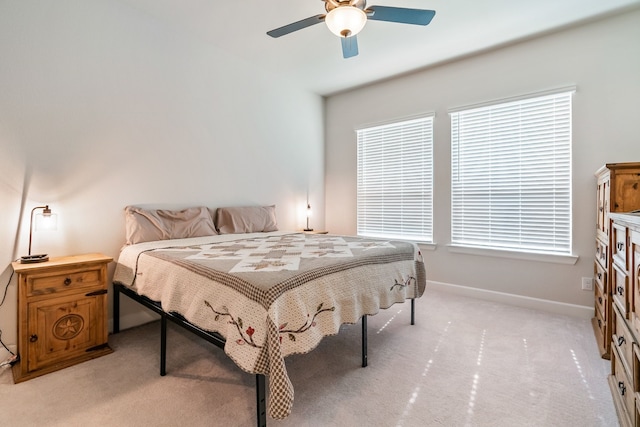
618, 190
624, 380
62, 313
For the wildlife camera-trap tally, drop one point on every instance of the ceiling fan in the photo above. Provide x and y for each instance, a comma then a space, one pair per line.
346, 18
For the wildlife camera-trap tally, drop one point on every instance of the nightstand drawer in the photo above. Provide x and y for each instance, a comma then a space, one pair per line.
63, 281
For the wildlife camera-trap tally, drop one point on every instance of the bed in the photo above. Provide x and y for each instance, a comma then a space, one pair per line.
262, 294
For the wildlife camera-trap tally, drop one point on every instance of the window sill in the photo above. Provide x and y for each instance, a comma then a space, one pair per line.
427, 246
527, 256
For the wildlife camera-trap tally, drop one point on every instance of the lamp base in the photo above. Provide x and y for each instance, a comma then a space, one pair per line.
308, 229
32, 259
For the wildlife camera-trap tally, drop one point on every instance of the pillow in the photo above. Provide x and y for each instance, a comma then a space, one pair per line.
247, 219
149, 225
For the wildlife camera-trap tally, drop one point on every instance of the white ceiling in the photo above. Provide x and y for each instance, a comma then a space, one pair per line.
312, 57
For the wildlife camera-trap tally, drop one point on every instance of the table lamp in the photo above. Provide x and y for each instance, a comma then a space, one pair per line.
44, 221
308, 216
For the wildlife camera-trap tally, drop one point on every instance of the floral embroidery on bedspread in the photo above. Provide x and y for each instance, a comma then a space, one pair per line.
309, 323
246, 336
401, 285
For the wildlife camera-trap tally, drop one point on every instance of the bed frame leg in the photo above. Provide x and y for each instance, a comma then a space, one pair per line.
116, 309
163, 345
261, 401
413, 311
364, 341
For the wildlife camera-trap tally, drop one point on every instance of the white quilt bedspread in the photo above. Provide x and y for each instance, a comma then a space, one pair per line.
273, 294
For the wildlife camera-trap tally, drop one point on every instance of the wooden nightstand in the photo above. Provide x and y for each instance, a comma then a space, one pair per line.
62, 313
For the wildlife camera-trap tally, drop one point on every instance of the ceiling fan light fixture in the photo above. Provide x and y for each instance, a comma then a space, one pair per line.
346, 21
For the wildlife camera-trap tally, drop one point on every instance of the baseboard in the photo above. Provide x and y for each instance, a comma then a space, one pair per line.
573, 310
134, 319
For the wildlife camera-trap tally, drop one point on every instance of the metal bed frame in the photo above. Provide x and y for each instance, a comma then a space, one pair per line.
212, 337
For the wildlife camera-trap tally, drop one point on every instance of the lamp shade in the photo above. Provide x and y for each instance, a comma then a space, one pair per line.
346, 21
46, 221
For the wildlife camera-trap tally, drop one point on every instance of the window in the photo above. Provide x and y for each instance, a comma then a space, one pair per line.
511, 175
395, 180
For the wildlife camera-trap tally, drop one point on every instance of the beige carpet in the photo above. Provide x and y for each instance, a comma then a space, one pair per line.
465, 363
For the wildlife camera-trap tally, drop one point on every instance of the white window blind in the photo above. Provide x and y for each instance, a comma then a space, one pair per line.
511, 175
395, 180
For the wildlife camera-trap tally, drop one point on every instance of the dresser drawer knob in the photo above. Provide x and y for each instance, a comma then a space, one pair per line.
620, 246
33, 338
600, 276
599, 323
600, 300
621, 341
620, 290
67, 281
622, 388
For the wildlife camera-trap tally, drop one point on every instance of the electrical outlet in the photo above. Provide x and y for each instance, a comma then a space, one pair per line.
587, 283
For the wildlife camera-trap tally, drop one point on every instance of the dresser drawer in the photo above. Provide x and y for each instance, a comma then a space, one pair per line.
622, 340
600, 302
622, 386
636, 382
602, 254
601, 326
619, 241
600, 277
634, 281
620, 290
63, 281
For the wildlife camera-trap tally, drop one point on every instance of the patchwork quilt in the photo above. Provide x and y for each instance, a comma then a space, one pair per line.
273, 294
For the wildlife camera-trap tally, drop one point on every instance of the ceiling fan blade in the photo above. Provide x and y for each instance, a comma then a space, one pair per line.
349, 46
401, 15
299, 25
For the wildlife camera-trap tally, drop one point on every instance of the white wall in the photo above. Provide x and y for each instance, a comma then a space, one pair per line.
102, 106
601, 58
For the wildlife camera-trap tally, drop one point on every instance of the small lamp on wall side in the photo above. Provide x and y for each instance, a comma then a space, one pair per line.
44, 221
308, 216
